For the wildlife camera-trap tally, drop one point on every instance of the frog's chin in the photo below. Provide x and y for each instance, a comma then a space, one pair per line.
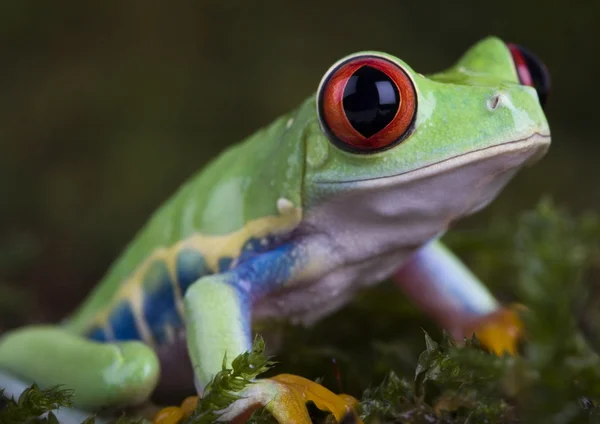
407, 210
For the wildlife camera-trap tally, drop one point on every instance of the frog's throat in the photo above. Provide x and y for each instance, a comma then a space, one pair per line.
532, 148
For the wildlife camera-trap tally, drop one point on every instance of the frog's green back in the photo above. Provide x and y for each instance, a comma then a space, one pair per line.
250, 191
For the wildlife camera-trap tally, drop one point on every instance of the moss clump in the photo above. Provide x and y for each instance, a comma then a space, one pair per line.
219, 393
32, 403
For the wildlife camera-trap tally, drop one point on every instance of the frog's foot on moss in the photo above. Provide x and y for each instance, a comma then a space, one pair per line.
284, 396
500, 331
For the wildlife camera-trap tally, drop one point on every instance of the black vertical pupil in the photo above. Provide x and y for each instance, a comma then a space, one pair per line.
371, 100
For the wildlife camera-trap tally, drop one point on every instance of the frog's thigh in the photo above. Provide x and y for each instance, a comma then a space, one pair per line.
436, 280
101, 374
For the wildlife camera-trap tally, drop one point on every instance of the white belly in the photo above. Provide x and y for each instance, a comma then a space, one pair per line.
310, 301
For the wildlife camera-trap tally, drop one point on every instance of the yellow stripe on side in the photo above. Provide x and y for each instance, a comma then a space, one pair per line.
213, 248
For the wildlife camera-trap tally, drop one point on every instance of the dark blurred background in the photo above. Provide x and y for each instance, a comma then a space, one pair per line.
106, 107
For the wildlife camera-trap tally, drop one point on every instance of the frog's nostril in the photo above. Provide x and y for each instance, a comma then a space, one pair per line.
494, 101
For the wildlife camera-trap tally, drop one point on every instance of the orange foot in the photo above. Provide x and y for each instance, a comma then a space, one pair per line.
284, 396
500, 332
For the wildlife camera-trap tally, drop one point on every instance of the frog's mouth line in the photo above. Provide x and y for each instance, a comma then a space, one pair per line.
537, 142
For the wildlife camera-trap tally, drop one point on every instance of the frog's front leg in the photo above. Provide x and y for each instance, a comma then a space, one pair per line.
218, 318
444, 288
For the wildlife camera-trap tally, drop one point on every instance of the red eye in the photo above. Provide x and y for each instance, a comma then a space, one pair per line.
367, 104
531, 71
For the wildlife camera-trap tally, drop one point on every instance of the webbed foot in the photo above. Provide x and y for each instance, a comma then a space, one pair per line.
284, 396
501, 331
294, 392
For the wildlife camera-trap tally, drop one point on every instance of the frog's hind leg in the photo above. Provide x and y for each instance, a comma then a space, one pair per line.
100, 374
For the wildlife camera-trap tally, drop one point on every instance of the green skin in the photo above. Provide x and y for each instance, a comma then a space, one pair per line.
348, 220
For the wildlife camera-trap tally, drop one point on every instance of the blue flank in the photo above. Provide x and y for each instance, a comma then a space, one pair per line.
261, 271
266, 272
122, 322
159, 308
189, 267
225, 264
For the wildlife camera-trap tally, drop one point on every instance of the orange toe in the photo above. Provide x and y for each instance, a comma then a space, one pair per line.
501, 331
169, 415
189, 405
175, 414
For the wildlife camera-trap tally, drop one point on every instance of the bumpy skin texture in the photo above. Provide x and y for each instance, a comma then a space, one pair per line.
285, 224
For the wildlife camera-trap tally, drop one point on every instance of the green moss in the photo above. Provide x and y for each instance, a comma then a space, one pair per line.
32, 403
219, 393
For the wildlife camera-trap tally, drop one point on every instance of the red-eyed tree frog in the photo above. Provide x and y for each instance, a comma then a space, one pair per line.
353, 187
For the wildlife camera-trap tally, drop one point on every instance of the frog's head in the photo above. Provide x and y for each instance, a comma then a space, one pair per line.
391, 143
